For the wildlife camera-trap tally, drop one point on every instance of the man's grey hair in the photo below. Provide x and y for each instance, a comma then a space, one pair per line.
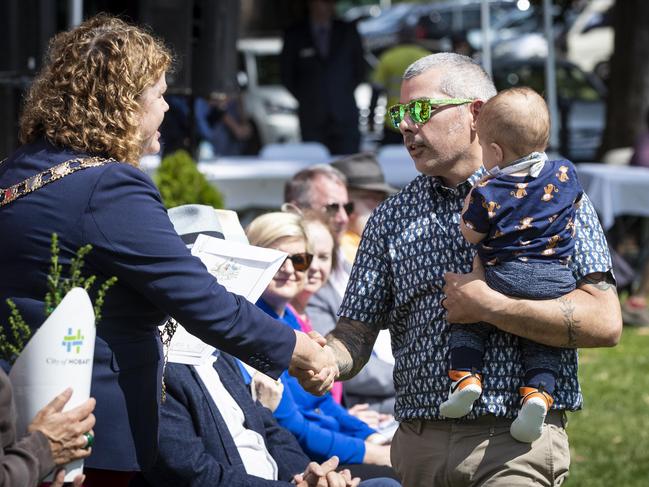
298, 189
461, 76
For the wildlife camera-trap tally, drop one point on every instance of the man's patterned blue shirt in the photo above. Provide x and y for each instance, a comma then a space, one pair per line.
410, 241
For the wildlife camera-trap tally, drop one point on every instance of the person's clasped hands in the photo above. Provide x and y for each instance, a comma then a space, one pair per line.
314, 364
69, 433
325, 475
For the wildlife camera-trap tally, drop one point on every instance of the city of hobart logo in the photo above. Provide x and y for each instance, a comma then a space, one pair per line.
71, 341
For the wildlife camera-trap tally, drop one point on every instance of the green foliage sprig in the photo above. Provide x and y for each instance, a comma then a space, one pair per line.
181, 183
57, 288
20, 331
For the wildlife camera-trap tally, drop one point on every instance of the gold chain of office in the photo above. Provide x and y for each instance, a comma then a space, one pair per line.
50, 175
54, 174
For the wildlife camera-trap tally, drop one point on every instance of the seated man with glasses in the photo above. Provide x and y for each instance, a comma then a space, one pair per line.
324, 188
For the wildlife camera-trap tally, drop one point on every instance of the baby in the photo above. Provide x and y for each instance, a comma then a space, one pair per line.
521, 216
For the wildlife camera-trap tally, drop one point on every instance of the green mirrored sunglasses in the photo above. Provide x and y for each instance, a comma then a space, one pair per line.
421, 109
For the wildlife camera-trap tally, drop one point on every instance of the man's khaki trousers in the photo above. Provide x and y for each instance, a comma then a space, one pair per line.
463, 453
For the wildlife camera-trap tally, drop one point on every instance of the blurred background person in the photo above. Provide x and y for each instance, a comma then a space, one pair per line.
387, 74
322, 63
223, 124
640, 155
175, 130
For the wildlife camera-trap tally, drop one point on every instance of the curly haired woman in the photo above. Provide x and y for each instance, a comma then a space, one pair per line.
90, 115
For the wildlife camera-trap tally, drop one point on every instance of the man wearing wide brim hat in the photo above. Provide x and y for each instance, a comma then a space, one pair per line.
367, 189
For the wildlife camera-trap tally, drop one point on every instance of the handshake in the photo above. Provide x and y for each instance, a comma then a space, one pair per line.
313, 363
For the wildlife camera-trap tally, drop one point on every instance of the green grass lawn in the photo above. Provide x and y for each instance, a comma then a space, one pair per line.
609, 438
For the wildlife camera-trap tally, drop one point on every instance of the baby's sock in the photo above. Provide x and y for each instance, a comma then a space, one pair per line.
536, 403
465, 389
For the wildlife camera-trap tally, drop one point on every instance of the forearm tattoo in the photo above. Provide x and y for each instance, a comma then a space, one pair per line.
572, 325
602, 281
352, 343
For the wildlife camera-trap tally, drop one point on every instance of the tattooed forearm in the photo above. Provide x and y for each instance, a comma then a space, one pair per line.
351, 342
572, 325
600, 280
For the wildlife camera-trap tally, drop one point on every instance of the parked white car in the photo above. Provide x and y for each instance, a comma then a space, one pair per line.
590, 38
271, 108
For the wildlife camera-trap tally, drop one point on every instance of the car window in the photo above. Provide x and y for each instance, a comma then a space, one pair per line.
519, 76
572, 83
268, 69
439, 21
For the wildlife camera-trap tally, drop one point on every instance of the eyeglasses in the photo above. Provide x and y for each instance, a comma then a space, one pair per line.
301, 262
421, 109
332, 208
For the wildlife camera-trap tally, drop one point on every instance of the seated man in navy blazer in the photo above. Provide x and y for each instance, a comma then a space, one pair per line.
211, 432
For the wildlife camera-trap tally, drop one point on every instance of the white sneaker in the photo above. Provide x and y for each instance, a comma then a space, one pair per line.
463, 393
528, 426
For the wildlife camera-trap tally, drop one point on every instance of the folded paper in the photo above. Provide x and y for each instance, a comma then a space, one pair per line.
239, 267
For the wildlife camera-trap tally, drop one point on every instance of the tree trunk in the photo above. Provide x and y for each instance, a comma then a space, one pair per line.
628, 98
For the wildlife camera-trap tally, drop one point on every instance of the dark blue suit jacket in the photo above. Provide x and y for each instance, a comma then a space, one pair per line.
324, 86
196, 447
117, 209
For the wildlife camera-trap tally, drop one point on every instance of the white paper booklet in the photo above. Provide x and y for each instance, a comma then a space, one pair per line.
242, 269
58, 355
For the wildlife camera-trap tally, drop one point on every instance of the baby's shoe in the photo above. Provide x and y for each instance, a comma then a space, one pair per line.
536, 403
465, 389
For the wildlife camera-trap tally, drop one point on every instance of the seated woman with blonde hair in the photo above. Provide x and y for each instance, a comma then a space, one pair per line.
322, 427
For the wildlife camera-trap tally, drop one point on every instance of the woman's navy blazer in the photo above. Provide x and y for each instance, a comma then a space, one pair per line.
117, 209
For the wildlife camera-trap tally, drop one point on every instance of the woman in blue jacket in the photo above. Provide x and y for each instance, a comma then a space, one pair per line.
89, 116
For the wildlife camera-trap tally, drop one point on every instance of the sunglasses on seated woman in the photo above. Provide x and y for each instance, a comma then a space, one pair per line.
301, 262
421, 109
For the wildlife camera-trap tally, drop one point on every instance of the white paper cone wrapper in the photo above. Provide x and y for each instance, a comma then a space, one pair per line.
59, 355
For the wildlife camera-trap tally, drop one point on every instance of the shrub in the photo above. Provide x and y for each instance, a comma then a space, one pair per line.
181, 183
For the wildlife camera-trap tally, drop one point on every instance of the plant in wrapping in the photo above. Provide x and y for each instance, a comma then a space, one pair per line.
180, 182
12, 344
60, 352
